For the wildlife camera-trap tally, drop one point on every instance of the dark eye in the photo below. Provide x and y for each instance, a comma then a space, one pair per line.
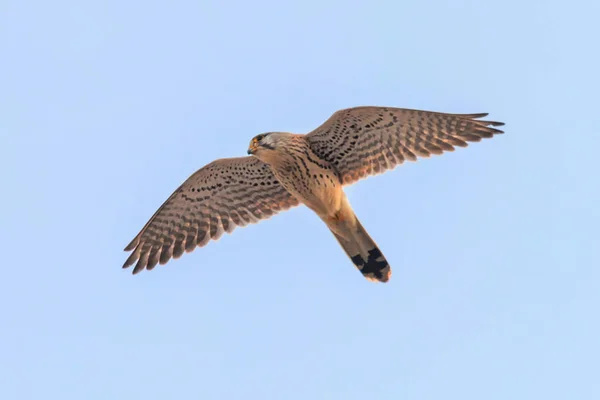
259, 138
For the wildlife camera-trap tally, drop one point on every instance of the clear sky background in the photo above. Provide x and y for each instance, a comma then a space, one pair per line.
107, 106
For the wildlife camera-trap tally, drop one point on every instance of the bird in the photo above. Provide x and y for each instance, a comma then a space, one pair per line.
284, 170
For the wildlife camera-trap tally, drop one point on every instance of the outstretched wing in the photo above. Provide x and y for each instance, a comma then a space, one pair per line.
215, 199
365, 141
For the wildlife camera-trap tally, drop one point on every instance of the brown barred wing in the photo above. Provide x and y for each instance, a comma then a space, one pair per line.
220, 196
365, 141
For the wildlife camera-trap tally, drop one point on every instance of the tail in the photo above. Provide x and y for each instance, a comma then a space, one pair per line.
361, 249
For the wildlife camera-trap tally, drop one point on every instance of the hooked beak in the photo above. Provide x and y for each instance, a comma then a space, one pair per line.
253, 147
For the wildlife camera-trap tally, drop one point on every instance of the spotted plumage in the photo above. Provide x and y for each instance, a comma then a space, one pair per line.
286, 169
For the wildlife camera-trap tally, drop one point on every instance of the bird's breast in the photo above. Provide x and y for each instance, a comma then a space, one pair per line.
312, 180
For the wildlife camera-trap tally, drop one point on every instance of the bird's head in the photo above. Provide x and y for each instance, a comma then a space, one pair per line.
265, 143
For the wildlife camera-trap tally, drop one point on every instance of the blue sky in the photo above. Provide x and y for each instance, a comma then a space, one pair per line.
107, 106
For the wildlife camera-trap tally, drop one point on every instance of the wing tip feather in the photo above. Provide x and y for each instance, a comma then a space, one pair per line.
132, 244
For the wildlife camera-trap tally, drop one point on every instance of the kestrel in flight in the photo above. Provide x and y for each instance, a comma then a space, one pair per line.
285, 170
